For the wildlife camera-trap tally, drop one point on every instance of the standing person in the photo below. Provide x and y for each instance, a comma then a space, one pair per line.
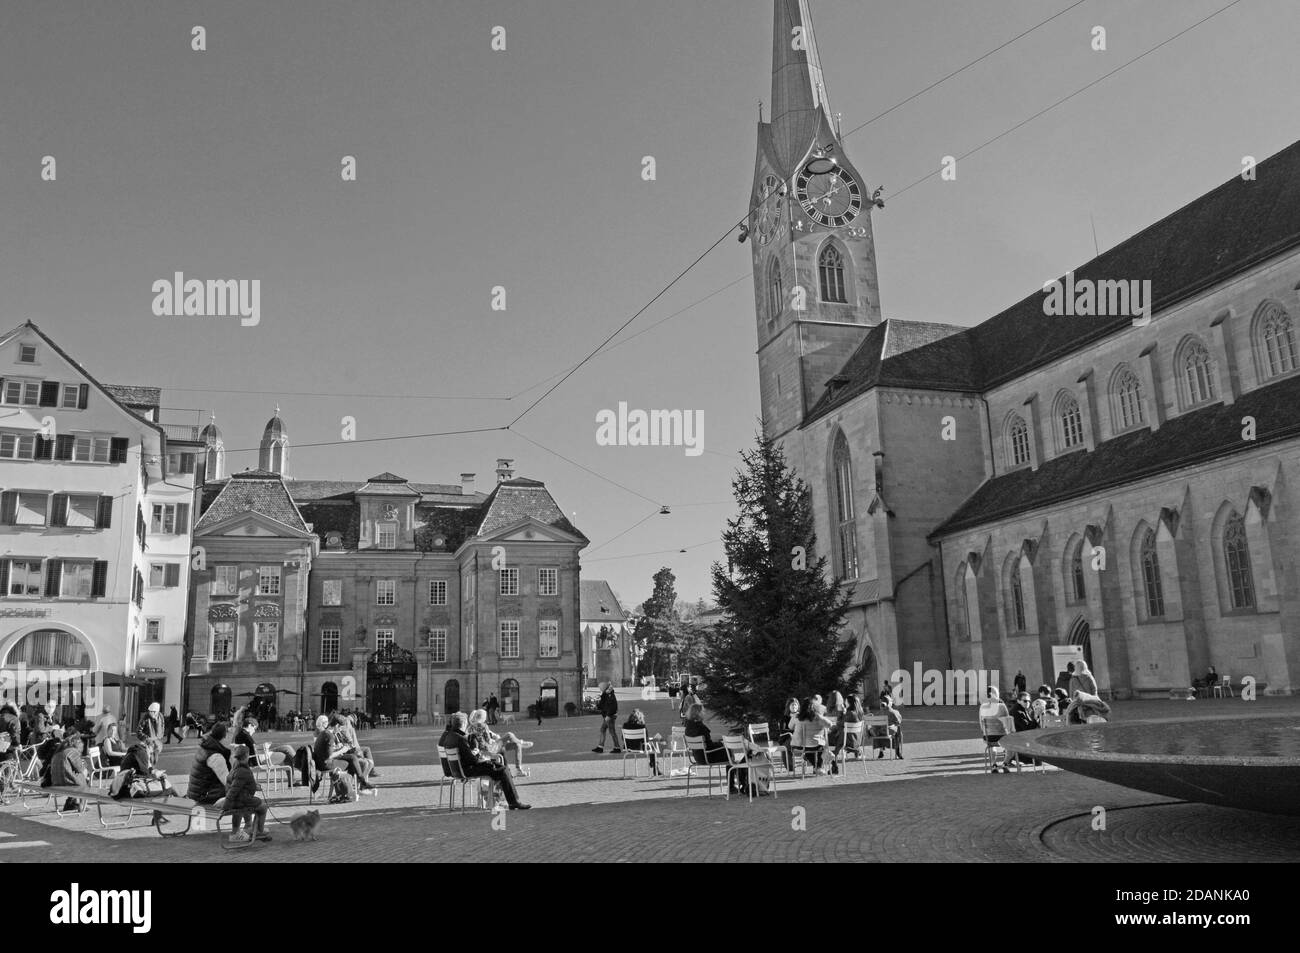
1082, 680
1063, 678
689, 698
172, 726
150, 730
538, 707
493, 706
1019, 682
608, 708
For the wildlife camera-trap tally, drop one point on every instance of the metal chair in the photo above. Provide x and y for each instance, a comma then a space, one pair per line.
699, 758
677, 746
458, 775
99, 772
741, 757
878, 730
636, 754
854, 731
1224, 684
272, 772
761, 735
996, 727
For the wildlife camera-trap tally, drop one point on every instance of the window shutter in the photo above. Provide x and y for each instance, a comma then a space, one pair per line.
53, 577
59, 515
4, 577
117, 450
49, 394
99, 578
104, 515
182, 518
44, 448
63, 447
8, 507
172, 575
83, 396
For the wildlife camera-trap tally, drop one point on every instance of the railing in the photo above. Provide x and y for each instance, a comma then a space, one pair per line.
188, 432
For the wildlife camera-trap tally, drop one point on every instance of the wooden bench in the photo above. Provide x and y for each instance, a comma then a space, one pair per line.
160, 807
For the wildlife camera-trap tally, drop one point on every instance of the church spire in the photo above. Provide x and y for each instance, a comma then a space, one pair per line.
798, 89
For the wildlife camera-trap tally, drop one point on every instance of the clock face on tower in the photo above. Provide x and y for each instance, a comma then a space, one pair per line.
768, 216
833, 199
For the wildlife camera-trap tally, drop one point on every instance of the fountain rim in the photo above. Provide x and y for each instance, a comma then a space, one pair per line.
1028, 743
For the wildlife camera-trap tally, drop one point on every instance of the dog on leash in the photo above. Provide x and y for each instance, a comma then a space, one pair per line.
304, 825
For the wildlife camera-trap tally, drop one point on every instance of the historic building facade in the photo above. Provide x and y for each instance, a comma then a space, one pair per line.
606, 636
95, 515
388, 596
1038, 479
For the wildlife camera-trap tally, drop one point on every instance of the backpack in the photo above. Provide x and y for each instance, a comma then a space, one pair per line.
342, 787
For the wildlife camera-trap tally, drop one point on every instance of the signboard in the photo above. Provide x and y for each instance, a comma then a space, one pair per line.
1063, 655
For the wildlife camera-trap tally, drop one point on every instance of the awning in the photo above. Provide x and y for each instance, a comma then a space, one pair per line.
113, 680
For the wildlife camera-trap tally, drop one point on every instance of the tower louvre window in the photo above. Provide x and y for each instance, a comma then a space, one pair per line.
775, 292
830, 268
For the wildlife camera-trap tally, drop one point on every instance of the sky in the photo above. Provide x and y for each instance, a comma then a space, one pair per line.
522, 169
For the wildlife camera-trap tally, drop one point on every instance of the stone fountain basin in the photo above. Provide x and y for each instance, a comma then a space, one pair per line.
1232, 761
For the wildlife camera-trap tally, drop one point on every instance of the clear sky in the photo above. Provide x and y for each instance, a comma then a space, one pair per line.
522, 169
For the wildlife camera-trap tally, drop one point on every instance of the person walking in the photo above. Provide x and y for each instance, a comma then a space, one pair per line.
492, 707
172, 726
538, 707
608, 708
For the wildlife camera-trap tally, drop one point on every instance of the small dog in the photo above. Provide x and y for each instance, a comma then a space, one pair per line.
507, 718
304, 825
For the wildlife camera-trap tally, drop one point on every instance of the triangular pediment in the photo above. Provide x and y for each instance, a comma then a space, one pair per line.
252, 523
529, 530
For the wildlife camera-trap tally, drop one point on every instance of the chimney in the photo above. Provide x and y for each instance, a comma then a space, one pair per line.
504, 472
467, 483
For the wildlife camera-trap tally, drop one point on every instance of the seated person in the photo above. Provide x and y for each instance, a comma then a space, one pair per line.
787, 726
210, 768
889, 709
66, 769
1211, 678
329, 746
488, 742
993, 708
244, 736
1021, 714
1085, 707
345, 728
243, 803
810, 732
111, 749
714, 751
636, 721
456, 739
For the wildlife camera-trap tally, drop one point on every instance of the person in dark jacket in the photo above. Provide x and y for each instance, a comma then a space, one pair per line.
211, 767
12, 727
455, 737
608, 708
172, 726
243, 802
244, 736
66, 769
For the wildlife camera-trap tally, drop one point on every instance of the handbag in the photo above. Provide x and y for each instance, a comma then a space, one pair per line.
148, 787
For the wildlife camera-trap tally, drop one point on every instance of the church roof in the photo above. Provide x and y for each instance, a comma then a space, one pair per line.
598, 602
274, 428
1232, 228
1181, 441
253, 491
517, 499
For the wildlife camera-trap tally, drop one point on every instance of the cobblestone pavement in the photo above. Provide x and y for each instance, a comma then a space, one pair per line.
937, 805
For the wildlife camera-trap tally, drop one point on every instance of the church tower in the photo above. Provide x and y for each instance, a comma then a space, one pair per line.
273, 454
814, 257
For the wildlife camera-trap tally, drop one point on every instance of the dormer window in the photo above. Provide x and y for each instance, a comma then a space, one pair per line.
27, 354
386, 535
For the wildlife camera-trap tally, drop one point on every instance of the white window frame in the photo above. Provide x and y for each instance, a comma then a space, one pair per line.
163, 516
88, 514
162, 585
17, 446
227, 569
69, 572
260, 629
31, 497
385, 636
438, 644
264, 576
437, 592
385, 592
330, 641
545, 574
69, 390
383, 529
229, 626
40, 578
155, 621
26, 391
90, 448
548, 638
508, 581
503, 632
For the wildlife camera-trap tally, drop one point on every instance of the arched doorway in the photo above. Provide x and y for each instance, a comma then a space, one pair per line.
451, 696
329, 698
1081, 634
220, 700
390, 682
550, 698
56, 649
509, 695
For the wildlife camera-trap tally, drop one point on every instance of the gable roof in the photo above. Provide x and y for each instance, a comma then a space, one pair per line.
517, 499
596, 595
1193, 437
253, 491
1223, 232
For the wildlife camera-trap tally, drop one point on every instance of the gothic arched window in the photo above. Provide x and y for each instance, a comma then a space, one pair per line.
1078, 587
1126, 398
1236, 556
1275, 340
1197, 372
1017, 597
1154, 591
1017, 440
775, 294
1070, 420
830, 267
845, 522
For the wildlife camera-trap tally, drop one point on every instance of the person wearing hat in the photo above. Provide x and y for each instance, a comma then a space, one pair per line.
151, 729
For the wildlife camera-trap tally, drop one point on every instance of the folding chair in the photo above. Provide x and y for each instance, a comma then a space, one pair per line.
1224, 684
99, 772
699, 758
271, 771
740, 757
761, 735
636, 754
996, 727
676, 746
853, 735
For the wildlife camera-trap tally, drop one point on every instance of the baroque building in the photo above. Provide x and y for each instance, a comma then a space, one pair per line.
393, 597
986, 493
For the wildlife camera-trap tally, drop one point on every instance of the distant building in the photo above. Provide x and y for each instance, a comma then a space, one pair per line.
606, 635
95, 518
388, 596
